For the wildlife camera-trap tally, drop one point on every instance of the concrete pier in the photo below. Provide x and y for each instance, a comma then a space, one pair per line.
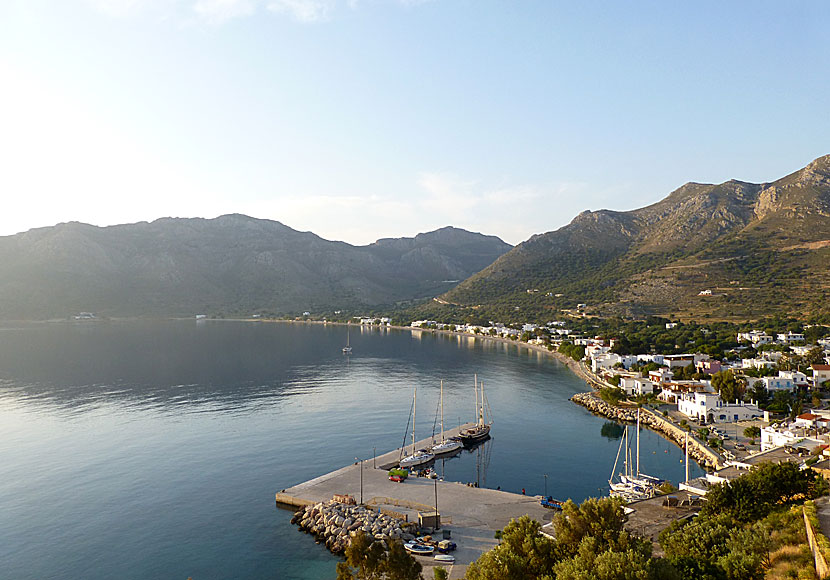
471, 514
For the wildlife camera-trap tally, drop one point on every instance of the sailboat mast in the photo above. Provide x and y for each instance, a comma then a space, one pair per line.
481, 407
442, 411
475, 388
687, 456
414, 401
638, 442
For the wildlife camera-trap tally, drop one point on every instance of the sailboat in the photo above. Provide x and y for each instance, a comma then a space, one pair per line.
446, 445
633, 485
422, 455
481, 430
347, 349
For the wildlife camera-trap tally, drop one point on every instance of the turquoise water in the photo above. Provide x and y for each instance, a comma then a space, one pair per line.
153, 449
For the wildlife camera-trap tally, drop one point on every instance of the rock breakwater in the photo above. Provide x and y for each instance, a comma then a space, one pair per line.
335, 523
697, 451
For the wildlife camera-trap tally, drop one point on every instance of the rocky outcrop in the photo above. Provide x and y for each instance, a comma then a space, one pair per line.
697, 451
335, 523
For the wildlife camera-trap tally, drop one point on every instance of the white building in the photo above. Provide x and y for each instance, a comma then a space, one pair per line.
777, 383
649, 358
709, 408
636, 387
756, 337
790, 337
797, 377
773, 436
821, 373
757, 363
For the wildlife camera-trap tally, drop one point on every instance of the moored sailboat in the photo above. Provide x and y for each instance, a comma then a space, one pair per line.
420, 456
446, 445
481, 430
347, 349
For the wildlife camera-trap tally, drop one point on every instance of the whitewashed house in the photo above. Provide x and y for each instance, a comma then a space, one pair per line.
797, 377
709, 408
636, 386
821, 373
777, 383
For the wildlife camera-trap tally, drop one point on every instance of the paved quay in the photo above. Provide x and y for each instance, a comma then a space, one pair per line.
471, 514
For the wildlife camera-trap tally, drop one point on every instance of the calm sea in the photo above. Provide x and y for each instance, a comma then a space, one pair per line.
153, 449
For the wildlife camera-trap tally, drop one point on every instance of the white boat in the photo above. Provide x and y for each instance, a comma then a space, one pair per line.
418, 549
446, 558
446, 445
420, 456
347, 349
481, 430
632, 484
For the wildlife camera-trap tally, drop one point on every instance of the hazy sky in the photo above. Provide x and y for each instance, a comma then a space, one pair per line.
361, 119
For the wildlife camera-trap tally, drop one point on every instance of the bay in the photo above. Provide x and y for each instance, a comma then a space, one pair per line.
146, 449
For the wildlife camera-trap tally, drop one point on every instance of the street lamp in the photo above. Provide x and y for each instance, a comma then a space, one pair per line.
374, 449
546, 484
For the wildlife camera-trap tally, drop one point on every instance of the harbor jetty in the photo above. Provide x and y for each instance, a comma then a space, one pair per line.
470, 515
697, 451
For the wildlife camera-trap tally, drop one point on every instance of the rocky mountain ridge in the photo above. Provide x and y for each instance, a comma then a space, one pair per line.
232, 264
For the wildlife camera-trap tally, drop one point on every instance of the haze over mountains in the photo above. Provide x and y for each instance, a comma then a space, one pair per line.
735, 250
233, 264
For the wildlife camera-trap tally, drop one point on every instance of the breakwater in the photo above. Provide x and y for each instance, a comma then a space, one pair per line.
335, 523
697, 451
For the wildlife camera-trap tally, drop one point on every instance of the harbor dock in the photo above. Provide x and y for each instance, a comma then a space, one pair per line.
470, 514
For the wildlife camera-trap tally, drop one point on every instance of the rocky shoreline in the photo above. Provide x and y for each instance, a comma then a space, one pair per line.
335, 523
702, 455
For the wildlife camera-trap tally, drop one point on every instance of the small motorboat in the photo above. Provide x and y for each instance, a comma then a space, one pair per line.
418, 549
445, 558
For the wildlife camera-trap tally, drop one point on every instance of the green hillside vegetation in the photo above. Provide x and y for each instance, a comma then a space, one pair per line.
760, 249
749, 529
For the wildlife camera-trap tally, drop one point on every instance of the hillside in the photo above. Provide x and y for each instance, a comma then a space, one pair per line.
760, 249
233, 264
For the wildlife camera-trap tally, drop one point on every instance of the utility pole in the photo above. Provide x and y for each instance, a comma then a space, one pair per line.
546, 484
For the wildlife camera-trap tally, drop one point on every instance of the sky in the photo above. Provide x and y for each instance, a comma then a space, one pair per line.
364, 119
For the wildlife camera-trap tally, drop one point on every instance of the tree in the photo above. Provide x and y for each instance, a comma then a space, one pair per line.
730, 387
440, 573
524, 554
367, 559
593, 563
754, 494
601, 518
752, 432
399, 565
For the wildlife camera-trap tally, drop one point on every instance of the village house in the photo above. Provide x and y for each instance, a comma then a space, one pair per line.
661, 375
636, 386
789, 337
709, 408
710, 367
672, 391
821, 373
798, 378
756, 337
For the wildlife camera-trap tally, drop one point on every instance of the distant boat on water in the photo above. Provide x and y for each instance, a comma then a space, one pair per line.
347, 349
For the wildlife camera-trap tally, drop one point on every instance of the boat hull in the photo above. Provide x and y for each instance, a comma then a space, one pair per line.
474, 435
419, 458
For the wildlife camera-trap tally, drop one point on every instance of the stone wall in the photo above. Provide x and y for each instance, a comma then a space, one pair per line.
697, 451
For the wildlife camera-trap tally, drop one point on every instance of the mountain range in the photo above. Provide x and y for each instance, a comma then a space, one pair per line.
230, 265
730, 251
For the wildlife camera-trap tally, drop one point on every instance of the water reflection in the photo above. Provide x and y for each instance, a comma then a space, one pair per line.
612, 431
